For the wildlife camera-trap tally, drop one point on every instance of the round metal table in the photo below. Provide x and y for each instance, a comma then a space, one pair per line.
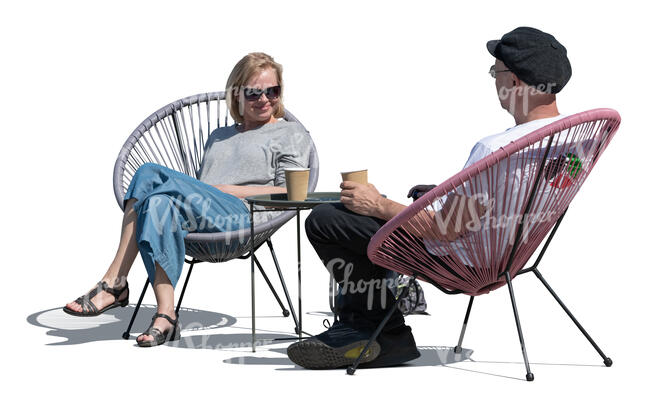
275, 202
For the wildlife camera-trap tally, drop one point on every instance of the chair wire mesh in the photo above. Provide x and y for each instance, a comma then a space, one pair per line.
463, 235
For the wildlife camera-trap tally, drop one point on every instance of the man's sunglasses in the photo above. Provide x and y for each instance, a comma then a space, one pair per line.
253, 94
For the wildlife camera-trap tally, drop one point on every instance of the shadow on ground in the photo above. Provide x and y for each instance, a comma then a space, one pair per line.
430, 356
111, 324
230, 341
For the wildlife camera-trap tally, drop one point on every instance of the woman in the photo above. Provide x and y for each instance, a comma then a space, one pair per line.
162, 205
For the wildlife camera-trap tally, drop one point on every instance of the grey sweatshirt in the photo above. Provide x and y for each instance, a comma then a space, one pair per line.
254, 157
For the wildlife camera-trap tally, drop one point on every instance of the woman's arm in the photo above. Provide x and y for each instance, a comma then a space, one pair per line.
242, 191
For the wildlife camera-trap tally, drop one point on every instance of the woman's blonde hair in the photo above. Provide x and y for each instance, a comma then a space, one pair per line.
249, 65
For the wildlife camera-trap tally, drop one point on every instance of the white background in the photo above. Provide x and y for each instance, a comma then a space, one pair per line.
399, 88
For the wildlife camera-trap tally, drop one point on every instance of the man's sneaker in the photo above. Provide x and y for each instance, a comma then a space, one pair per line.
341, 345
337, 347
397, 347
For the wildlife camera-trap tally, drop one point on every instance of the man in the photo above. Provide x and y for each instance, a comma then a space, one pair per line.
531, 67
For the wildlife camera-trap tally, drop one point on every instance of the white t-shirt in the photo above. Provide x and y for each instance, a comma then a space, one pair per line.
491, 143
504, 180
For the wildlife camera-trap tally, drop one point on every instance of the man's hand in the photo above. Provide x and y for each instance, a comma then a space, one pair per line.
419, 190
363, 199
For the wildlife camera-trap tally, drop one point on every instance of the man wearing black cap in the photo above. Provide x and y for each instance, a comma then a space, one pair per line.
531, 67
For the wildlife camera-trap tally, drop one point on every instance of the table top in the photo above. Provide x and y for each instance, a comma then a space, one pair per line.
280, 200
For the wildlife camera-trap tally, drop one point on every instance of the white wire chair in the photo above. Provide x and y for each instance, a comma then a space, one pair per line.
174, 136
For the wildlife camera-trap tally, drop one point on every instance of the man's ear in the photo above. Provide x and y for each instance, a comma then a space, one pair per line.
515, 80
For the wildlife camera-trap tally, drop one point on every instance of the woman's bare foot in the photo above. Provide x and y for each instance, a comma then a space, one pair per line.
103, 298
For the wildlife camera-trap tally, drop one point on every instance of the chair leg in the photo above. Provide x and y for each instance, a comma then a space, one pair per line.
127, 333
333, 298
607, 361
180, 299
285, 312
375, 334
458, 349
284, 285
529, 375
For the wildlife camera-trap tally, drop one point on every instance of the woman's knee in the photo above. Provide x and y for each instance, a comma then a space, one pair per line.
147, 169
146, 177
143, 173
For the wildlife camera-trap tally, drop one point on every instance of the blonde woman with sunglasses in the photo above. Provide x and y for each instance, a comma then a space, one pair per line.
162, 205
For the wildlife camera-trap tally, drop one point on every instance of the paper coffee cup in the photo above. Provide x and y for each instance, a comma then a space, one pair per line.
297, 183
358, 176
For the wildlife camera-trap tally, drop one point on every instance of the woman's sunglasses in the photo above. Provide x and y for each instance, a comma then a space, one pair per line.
253, 94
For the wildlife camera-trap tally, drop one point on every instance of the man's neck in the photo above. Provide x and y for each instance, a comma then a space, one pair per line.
538, 112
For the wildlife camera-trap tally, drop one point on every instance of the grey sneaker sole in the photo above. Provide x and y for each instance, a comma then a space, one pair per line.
315, 354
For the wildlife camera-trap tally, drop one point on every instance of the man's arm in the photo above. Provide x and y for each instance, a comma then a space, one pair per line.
458, 213
388, 209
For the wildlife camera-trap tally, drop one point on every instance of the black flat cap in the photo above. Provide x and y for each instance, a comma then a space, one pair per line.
536, 57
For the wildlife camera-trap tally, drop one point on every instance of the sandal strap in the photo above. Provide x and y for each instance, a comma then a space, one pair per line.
159, 336
169, 319
99, 287
84, 300
113, 291
86, 304
155, 333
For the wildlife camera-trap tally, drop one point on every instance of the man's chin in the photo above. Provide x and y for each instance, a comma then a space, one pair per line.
508, 108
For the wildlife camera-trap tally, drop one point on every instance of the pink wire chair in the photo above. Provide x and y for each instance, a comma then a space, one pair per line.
475, 232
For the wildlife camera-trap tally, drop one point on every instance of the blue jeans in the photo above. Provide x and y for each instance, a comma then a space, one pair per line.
170, 205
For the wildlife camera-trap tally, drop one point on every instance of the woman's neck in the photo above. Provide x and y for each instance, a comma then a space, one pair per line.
249, 125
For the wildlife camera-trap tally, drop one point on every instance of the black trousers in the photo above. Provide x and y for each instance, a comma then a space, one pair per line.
340, 238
